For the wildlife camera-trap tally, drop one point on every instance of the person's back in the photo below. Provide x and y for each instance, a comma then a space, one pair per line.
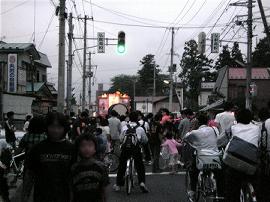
115, 127
225, 119
205, 138
10, 129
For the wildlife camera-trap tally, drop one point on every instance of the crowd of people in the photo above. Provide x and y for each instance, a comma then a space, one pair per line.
64, 154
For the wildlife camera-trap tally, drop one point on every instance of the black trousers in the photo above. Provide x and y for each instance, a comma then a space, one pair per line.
3, 186
139, 166
147, 153
233, 184
156, 154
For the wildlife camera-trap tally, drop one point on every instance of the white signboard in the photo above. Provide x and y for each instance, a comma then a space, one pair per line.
215, 42
101, 42
12, 73
21, 77
201, 42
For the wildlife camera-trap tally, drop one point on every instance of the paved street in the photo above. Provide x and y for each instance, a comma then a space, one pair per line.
163, 188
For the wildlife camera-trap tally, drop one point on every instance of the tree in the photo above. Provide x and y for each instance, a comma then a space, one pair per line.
123, 83
146, 77
236, 55
195, 67
261, 55
224, 58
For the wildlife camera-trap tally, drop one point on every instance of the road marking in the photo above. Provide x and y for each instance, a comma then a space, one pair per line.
150, 173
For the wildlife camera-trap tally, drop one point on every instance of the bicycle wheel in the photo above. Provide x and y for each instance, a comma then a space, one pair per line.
187, 184
129, 179
247, 194
112, 162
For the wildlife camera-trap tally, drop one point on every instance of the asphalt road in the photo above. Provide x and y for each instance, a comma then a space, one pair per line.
163, 188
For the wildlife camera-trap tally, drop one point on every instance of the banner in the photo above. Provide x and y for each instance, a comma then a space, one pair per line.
101, 42
12, 73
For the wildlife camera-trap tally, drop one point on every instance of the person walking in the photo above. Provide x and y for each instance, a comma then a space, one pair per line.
115, 131
10, 129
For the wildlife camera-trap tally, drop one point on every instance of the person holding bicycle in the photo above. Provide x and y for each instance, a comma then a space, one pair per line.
202, 140
130, 147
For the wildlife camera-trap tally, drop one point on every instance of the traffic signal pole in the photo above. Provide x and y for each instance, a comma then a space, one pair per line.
171, 72
249, 55
265, 24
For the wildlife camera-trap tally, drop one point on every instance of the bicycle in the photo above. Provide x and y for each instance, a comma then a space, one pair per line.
206, 185
247, 193
129, 176
111, 160
17, 166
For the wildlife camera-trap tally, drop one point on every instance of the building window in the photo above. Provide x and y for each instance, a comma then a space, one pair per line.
44, 78
37, 76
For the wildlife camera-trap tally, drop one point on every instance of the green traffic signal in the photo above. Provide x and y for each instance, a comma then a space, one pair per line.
121, 49
121, 42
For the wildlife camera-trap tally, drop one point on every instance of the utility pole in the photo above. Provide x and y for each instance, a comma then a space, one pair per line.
61, 58
69, 65
84, 62
89, 87
171, 72
249, 55
266, 28
2, 66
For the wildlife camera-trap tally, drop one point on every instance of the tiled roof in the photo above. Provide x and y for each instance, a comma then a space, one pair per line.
240, 73
43, 60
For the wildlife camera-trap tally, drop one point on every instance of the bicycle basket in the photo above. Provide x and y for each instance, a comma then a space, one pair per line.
208, 162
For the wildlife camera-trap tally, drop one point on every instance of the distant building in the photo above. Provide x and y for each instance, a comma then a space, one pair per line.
23, 80
231, 85
152, 105
205, 93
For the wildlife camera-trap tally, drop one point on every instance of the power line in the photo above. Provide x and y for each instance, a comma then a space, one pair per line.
47, 29
14, 7
180, 13
125, 14
157, 27
186, 12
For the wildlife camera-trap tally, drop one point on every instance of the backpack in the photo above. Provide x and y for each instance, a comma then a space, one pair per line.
264, 152
130, 139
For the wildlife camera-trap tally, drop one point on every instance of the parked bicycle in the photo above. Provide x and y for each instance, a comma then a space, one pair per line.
111, 160
17, 167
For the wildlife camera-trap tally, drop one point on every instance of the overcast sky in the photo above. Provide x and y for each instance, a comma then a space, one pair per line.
17, 25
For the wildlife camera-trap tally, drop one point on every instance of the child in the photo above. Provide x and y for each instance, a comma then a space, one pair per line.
172, 145
89, 176
50, 161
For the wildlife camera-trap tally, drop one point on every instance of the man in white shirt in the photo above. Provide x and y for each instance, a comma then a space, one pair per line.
204, 141
225, 119
115, 130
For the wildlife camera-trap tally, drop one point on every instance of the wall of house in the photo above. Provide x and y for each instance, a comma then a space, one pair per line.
237, 89
144, 107
203, 98
20, 105
224, 86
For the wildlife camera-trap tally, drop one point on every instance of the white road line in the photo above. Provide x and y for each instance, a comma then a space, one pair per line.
150, 173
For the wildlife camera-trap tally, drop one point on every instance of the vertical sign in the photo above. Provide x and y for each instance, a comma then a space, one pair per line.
101, 42
201, 43
12, 73
215, 42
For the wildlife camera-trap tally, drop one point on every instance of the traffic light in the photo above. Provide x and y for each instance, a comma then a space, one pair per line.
121, 42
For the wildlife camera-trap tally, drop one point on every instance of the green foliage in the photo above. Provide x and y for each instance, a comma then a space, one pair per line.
195, 67
227, 57
123, 83
144, 80
261, 55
